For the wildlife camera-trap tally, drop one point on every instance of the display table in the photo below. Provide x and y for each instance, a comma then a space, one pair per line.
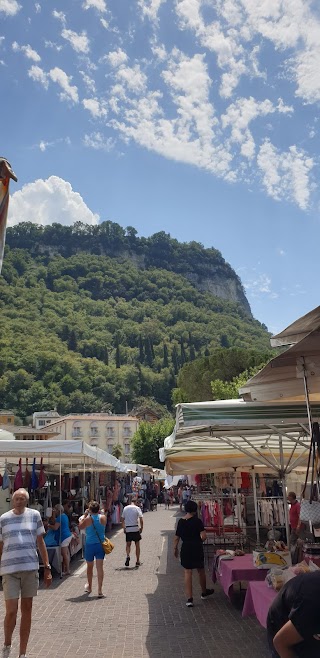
258, 601
236, 570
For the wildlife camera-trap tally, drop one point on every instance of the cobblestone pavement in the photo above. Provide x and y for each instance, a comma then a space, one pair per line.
144, 612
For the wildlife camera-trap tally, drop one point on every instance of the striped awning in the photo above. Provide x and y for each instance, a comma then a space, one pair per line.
211, 436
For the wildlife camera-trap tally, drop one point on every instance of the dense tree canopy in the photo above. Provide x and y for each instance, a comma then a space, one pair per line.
84, 328
219, 375
148, 439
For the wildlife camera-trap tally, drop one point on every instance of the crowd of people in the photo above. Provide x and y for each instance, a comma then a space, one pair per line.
293, 619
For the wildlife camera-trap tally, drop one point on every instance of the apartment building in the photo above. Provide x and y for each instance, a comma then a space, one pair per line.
6, 417
101, 430
41, 419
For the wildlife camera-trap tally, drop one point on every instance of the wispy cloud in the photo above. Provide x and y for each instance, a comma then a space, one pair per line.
95, 107
38, 75
98, 142
100, 5
79, 42
29, 52
9, 7
69, 91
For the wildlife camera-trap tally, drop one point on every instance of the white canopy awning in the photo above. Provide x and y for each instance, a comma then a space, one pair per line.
282, 378
298, 329
53, 452
211, 436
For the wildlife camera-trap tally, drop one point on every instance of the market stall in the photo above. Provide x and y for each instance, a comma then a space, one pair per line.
213, 436
58, 460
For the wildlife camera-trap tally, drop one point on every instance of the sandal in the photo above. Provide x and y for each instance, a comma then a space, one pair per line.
87, 589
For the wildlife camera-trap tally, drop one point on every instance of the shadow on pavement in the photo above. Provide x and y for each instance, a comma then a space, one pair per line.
212, 628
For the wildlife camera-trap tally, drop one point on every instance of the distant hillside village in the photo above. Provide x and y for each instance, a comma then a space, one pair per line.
109, 432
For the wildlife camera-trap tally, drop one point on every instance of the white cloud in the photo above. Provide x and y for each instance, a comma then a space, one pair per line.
79, 42
89, 82
117, 57
95, 107
27, 50
51, 44
60, 16
70, 92
240, 114
258, 284
9, 7
281, 252
43, 146
133, 78
100, 5
150, 8
47, 201
38, 75
98, 142
190, 135
37, 8
286, 174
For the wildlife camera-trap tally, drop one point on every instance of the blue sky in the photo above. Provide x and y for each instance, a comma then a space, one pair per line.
196, 117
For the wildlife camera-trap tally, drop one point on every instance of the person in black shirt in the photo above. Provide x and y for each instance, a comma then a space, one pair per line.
191, 531
294, 618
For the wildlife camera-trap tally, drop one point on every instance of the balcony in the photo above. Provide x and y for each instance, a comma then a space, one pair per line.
77, 434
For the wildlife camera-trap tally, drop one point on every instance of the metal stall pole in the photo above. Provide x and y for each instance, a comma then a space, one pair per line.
284, 491
60, 529
254, 486
238, 501
83, 510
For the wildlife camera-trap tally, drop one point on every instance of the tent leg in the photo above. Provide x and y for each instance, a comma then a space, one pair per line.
255, 500
238, 499
306, 392
284, 491
60, 529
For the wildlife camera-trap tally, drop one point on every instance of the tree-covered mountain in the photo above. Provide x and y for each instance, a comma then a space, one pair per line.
93, 317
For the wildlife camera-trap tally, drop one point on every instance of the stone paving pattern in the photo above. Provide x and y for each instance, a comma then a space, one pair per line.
144, 612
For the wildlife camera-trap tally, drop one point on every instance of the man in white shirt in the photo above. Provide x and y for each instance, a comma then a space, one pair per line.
21, 533
132, 523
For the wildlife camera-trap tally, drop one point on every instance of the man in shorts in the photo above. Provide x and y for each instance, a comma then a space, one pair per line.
21, 533
132, 523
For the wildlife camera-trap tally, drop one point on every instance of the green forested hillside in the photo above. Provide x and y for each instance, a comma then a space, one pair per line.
88, 324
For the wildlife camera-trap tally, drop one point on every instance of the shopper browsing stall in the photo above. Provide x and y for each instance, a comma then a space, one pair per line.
190, 530
64, 536
94, 524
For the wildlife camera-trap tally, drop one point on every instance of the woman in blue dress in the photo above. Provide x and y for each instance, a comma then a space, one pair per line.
63, 535
94, 524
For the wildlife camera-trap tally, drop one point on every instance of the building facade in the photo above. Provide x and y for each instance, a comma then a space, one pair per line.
101, 430
6, 417
27, 433
41, 419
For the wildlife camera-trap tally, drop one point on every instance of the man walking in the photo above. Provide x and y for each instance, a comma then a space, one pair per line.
131, 517
21, 532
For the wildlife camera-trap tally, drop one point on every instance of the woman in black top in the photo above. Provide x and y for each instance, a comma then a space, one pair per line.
191, 531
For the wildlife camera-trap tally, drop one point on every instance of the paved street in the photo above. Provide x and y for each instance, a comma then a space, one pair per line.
144, 612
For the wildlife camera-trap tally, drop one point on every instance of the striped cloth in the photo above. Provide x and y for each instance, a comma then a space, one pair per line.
19, 533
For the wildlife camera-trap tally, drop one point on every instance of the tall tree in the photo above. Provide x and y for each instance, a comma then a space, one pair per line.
183, 356
175, 360
72, 341
148, 352
165, 363
141, 350
118, 356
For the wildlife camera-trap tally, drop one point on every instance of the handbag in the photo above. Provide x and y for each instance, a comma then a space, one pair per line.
106, 544
310, 509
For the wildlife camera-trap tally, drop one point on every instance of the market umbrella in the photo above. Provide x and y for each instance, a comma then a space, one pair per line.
6, 173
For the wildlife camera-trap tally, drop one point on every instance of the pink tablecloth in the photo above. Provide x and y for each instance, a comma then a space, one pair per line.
238, 569
258, 601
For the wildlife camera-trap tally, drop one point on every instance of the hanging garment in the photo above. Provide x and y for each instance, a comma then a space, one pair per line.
5, 480
34, 477
18, 480
42, 475
27, 477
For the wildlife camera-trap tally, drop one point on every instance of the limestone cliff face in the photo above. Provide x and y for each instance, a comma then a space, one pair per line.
225, 287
